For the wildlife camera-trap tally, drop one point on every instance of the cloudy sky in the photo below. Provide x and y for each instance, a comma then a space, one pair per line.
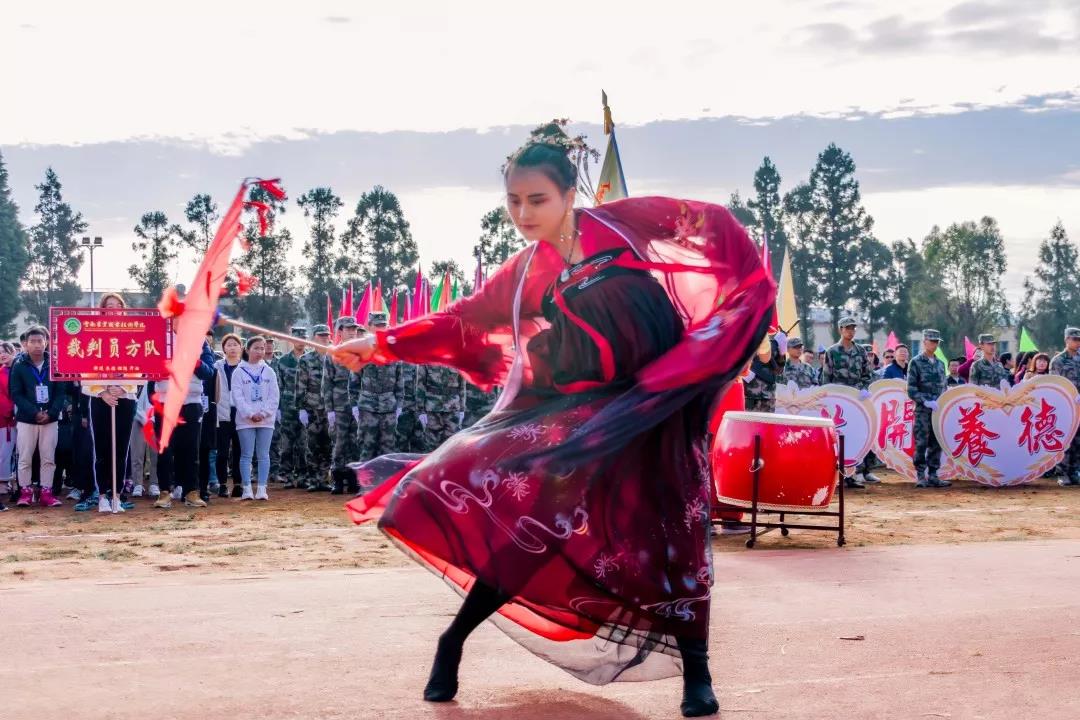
951, 110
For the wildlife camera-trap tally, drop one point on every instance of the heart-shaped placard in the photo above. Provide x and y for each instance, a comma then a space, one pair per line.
894, 431
854, 417
1009, 436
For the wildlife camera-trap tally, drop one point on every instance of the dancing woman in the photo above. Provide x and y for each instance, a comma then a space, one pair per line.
575, 515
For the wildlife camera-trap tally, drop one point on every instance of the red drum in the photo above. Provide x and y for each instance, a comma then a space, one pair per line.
798, 454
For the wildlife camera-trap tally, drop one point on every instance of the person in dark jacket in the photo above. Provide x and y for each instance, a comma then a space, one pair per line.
39, 402
179, 462
898, 369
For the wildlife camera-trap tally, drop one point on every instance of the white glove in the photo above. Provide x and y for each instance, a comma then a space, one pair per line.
356, 413
930, 404
781, 342
331, 416
461, 417
304, 419
864, 394
397, 412
422, 417
749, 376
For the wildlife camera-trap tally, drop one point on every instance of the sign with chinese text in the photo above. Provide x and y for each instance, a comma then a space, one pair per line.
853, 416
98, 344
1006, 437
894, 433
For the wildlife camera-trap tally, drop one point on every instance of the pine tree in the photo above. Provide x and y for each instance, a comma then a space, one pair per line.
378, 241
13, 256
202, 213
831, 227
742, 212
272, 302
961, 290
55, 258
157, 248
499, 239
321, 206
1051, 297
768, 210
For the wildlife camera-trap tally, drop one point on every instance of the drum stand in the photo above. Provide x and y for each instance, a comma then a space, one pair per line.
781, 523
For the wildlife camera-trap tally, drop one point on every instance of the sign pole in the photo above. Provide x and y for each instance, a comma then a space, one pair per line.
115, 496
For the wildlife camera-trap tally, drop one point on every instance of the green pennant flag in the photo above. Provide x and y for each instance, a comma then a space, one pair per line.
940, 355
454, 292
437, 296
1026, 343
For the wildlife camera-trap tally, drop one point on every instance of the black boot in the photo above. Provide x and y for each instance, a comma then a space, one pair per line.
480, 603
352, 487
339, 483
698, 699
237, 490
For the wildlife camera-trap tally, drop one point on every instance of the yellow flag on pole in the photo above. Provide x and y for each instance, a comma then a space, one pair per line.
786, 312
612, 183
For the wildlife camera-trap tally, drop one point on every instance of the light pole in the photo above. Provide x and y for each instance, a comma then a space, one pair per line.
91, 246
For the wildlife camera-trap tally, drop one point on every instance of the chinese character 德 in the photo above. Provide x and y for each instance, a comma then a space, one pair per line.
1043, 432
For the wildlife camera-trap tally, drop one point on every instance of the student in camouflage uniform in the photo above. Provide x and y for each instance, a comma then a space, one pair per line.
440, 397
311, 411
288, 453
988, 371
478, 403
378, 403
760, 383
339, 393
1067, 364
408, 428
845, 363
925, 383
795, 370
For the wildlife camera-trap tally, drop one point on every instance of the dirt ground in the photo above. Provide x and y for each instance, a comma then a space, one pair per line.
297, 531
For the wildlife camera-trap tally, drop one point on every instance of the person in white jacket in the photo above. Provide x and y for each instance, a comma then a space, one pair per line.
255, 396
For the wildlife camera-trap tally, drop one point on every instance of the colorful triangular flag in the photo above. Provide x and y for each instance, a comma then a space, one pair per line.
1026, 343
611, 185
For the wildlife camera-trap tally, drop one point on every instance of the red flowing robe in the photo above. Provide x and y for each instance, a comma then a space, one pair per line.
585, 493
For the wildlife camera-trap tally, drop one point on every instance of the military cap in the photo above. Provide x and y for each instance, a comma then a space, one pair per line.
1072, 333
847, 321
931, 334
986, 338
794, 342
379, 318
345, 321
320, 330
298, 331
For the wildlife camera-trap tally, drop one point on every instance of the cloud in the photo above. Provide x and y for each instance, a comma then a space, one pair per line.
976, 26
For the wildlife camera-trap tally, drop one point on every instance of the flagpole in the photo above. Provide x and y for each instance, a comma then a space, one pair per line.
274, 334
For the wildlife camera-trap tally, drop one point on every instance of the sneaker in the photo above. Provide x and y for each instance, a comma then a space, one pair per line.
192, 499
855, 482
154, 491
164, 501
871, 479
26, 497
118, 506
86, 505
237, 492
213, 487
246, 494
261, 493
75, 495
137, 491
128, 487
104, 505
223, 491
177, 492
740, 529
3, 507
933, 481
47, 499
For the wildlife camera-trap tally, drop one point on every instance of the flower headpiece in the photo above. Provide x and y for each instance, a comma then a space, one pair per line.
576, 149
